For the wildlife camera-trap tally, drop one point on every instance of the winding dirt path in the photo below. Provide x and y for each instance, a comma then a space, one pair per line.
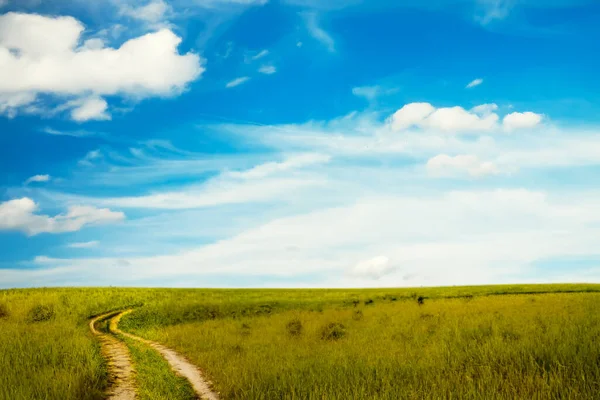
120, 369
178, 363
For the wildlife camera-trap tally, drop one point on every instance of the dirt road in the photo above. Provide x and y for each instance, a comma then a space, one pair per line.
121, 369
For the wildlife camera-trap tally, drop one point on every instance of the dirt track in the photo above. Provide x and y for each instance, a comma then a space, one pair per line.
121, 369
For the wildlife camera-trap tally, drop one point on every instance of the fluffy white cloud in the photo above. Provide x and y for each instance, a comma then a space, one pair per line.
91, 108
267, 69
445, 119
374, 268
474, 82
40, 54
237, 81
410, 115
445, 165
38, 178
19, 215
517, 120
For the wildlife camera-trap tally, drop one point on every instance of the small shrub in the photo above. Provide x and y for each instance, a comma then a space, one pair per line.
245, 330
294, 327
41, 313
368, 301
4, 313
357, 315
333, 331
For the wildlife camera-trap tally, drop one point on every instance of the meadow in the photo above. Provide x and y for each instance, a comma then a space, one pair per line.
505, 342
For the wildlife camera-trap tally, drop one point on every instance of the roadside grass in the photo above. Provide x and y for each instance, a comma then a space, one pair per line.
263, 344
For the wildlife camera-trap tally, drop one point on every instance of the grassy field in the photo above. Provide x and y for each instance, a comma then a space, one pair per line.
528, 341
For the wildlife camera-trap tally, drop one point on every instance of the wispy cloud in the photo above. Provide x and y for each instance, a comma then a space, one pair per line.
37, 178
315, 30
90, 157
267, 69
474, 82
75, 133
491, 10
372, 92
83, 245
259, 55
237, 81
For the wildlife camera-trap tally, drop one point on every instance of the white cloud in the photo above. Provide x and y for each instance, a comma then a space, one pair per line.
312, 24
38, 178
19, 215
91, 108
237, 81
491, 10
372, 92
446, 119
410, 115
215, 193
83, 245
39, 55
267, 69
298, 44
261, 54
374, 268
474, 82
153, 12
89, 157
76, 133
294, 162
445, 165
468, 237
517, 120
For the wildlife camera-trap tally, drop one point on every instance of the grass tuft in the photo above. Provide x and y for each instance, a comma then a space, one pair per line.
333, 331
41, 313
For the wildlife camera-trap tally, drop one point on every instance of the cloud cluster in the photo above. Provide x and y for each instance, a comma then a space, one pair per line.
456, 237
19, 215
456, 119
44, 55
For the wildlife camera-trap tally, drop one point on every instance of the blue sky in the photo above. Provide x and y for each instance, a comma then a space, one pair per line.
299, 143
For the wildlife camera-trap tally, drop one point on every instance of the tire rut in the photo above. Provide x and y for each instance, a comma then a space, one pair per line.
120, 369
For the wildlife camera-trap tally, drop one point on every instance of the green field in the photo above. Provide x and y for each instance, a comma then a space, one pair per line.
506, 342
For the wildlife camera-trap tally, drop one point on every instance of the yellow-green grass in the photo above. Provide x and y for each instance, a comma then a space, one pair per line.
474, 339
538, 346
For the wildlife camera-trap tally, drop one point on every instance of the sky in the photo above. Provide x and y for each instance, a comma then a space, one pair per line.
299, 143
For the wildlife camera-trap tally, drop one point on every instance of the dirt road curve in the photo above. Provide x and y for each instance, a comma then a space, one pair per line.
120, 368
113, 350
